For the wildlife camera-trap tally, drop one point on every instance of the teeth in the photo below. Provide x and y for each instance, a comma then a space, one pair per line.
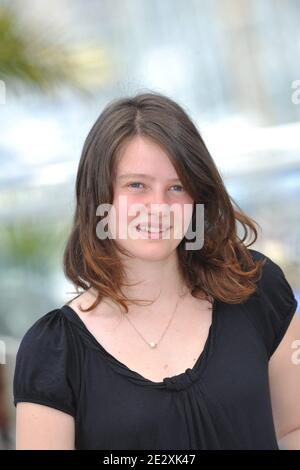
152, 230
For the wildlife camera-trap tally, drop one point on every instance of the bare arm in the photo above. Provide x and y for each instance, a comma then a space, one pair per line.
40, 427
284, 372
290, 441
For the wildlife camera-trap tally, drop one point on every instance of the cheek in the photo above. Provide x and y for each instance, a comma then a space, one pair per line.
129, 198
182, 215
122, 204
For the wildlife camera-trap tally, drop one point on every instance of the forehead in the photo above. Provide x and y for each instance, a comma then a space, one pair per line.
144, 158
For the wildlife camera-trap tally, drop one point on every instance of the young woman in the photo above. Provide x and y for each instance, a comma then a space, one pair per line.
167, 345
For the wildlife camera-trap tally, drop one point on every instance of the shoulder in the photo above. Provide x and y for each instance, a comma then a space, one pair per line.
49, 331
273, 304
273, 286
46, 367
271, 271
268, 264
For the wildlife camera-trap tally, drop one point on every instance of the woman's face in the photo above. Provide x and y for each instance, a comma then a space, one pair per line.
164, 203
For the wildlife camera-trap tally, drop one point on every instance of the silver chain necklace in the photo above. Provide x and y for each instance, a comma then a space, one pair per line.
153, 344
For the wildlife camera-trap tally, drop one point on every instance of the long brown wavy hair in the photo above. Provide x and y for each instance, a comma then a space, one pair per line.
222, 269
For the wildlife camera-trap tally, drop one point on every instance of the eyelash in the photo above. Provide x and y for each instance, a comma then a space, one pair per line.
137, 182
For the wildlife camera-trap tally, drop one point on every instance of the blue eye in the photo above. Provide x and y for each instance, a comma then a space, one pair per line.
130, 184
137, 182
178, 186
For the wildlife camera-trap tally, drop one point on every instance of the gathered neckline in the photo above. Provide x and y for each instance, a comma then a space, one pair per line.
178, 381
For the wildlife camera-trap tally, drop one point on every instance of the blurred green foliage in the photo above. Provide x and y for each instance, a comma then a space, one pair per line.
32, 58
32, 246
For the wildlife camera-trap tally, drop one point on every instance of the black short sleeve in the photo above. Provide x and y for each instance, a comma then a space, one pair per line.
273, 304
42, 370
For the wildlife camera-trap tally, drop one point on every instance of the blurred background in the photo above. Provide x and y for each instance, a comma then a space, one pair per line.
232, 64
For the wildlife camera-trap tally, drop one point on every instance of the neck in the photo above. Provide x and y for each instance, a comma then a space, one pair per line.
159, 281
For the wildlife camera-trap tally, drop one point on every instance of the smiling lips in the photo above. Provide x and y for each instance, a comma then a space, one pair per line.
152, 229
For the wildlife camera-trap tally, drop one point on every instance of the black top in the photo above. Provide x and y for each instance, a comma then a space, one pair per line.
222, 402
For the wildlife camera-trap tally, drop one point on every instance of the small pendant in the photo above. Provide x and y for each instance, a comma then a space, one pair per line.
152, 344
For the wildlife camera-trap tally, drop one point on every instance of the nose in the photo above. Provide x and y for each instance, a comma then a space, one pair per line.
158, 206
158, 196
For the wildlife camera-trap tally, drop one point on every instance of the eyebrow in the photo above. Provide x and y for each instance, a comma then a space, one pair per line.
142, 175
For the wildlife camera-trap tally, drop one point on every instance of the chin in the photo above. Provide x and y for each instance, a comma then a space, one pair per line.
152, 251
